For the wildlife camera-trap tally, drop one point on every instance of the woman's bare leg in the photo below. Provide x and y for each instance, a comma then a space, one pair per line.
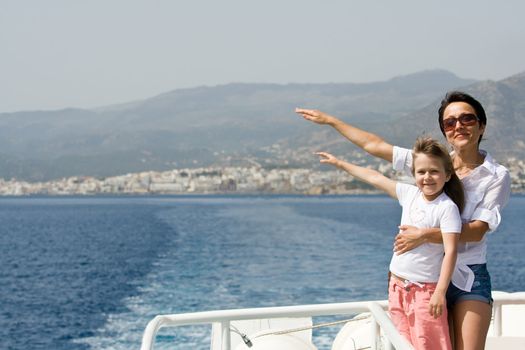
451, 328
471, 324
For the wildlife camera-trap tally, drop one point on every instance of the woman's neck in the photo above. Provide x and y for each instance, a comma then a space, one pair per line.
466, 160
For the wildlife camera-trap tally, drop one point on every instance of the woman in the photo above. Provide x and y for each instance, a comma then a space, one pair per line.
462, 121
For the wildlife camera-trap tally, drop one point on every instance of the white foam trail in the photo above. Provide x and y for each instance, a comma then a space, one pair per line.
161, 292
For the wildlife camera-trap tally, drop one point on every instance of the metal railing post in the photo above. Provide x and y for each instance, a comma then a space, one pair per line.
388, 344
375, 334
225, 335
390, 332
497, 327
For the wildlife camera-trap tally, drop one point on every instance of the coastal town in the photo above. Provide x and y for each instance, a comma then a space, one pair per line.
223, 180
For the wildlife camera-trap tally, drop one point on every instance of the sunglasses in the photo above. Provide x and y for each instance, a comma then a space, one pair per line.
465, 119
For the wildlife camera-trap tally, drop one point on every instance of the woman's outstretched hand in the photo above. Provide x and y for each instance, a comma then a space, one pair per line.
328, 158
408, 238
315, 116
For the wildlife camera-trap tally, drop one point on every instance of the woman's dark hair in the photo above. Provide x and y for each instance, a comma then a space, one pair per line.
459, 96
453, 187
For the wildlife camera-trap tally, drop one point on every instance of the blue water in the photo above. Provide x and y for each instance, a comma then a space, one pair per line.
89, 273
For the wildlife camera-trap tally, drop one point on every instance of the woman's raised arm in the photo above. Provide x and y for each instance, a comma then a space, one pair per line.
369, 142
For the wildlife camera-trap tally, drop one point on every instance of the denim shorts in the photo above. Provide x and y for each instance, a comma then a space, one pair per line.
481, 288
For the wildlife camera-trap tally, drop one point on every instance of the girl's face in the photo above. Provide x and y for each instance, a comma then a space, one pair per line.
462, 136
430, 175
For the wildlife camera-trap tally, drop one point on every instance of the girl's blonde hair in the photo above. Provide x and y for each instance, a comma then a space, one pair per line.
453, 187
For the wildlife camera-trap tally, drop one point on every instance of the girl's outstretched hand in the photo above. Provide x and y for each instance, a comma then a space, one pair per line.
328, 158
315, 116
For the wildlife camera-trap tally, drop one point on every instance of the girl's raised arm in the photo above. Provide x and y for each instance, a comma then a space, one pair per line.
367, 175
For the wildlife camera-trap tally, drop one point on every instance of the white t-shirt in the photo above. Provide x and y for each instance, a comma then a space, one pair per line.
487, 191
423, 264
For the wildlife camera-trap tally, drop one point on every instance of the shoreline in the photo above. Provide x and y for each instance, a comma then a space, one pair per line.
206, 195
215, 181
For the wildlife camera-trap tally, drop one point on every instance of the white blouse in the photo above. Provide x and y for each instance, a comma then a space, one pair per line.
487, 191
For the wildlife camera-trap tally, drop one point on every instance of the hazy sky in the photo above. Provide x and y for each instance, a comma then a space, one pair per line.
72, 53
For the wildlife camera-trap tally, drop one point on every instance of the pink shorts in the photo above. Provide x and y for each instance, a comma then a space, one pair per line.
408, 308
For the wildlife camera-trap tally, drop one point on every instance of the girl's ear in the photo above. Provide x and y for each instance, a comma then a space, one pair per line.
448, 177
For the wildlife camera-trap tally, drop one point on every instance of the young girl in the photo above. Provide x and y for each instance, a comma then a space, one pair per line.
420, 277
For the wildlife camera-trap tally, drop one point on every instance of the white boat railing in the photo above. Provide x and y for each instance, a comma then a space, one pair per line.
501, 299
381, 321
224, 317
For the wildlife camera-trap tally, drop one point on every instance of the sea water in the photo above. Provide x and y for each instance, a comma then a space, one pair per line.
89, 273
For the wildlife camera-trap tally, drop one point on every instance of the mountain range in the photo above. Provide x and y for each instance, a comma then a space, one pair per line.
241, 123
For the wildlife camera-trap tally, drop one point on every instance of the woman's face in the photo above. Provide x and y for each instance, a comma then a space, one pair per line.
462, 136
